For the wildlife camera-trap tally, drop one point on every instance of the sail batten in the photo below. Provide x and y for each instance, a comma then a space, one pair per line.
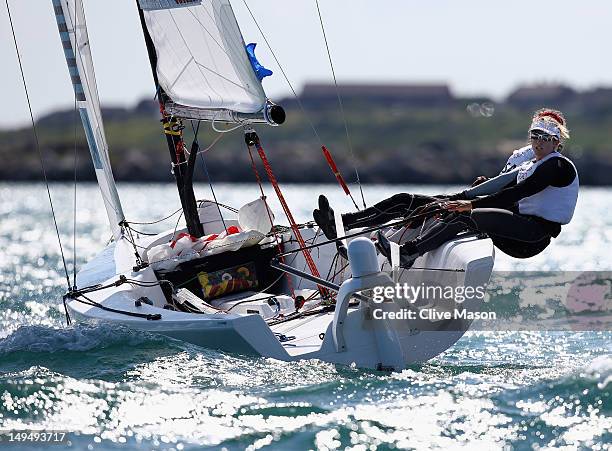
201, 61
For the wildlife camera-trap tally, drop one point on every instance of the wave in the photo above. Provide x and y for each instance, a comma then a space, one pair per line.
586, 386
81, 337
599, 370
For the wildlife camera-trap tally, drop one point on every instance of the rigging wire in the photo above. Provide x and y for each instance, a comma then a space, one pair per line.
227, 207
226, 130
299, 102
156, 221
74, 205
74, 215
37, 143
177, 223
270, 218
203, 150
348, 138
297, 98
139, 232
212, 190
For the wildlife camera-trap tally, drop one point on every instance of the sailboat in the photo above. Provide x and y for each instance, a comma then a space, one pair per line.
240, 282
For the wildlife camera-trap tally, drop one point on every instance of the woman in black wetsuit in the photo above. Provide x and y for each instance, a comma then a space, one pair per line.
522, 217
406, 204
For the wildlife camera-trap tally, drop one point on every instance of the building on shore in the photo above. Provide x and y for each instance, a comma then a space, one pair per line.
393, 95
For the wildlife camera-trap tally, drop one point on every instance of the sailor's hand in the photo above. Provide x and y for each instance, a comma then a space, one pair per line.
480, 179
457, 205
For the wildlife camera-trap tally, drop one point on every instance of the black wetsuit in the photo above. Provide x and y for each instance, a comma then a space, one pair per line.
397, 206
404, 204
497, 215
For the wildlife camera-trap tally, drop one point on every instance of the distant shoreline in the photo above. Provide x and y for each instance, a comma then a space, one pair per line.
393, 144
172, 183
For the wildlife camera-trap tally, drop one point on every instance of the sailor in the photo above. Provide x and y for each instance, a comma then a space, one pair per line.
405, 204
522, 217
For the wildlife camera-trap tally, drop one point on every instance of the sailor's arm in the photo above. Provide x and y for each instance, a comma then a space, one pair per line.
554, 172
491, 186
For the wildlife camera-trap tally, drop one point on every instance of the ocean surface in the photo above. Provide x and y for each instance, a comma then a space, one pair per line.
114, 388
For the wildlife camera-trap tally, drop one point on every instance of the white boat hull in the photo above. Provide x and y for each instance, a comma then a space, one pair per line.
368, 343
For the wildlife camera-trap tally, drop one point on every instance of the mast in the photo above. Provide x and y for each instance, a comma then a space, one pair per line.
182, 168
75, 41
202, 71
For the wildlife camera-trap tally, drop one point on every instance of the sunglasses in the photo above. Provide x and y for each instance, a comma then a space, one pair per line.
538, 136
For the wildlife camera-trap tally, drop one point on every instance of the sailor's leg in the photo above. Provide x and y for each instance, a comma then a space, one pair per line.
394, 207
496, 222
516, 235
437, 234
506, 224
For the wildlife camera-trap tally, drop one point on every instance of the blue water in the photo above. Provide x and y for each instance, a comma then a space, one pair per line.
115, 388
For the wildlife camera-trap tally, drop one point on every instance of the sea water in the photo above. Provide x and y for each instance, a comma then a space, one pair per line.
110, 387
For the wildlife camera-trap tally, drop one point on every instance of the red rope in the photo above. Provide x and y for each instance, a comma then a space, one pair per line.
278, 241
296, 231
336, 171
334, 168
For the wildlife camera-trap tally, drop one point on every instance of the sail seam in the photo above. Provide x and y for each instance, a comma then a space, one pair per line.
221, 76
205, 67
191, 54
201, 60
181, 72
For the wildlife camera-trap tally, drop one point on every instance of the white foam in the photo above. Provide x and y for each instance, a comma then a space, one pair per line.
80, 338
600, 369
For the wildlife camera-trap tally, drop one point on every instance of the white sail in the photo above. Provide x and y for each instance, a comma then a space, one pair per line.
201, 57
70, 17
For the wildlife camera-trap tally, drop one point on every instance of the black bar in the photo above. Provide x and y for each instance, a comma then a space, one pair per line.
318, 280
291, 270
183, 181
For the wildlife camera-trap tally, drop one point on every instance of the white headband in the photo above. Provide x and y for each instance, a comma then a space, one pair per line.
546, 126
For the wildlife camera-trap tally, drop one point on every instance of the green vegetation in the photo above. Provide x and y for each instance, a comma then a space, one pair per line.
392, 144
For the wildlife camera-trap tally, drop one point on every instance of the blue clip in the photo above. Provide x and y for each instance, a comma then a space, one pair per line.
259, 70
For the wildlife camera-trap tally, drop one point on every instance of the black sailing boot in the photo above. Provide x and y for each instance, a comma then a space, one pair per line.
324, 217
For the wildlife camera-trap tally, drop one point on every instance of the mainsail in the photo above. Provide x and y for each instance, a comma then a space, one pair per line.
202, 64
70, 18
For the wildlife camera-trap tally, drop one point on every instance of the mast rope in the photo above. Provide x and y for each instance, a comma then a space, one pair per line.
342, 113
139, 260
139, 232
217, 139
227, 207
37, 144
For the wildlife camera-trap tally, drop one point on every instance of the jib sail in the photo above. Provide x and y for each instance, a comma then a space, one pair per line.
202, 64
